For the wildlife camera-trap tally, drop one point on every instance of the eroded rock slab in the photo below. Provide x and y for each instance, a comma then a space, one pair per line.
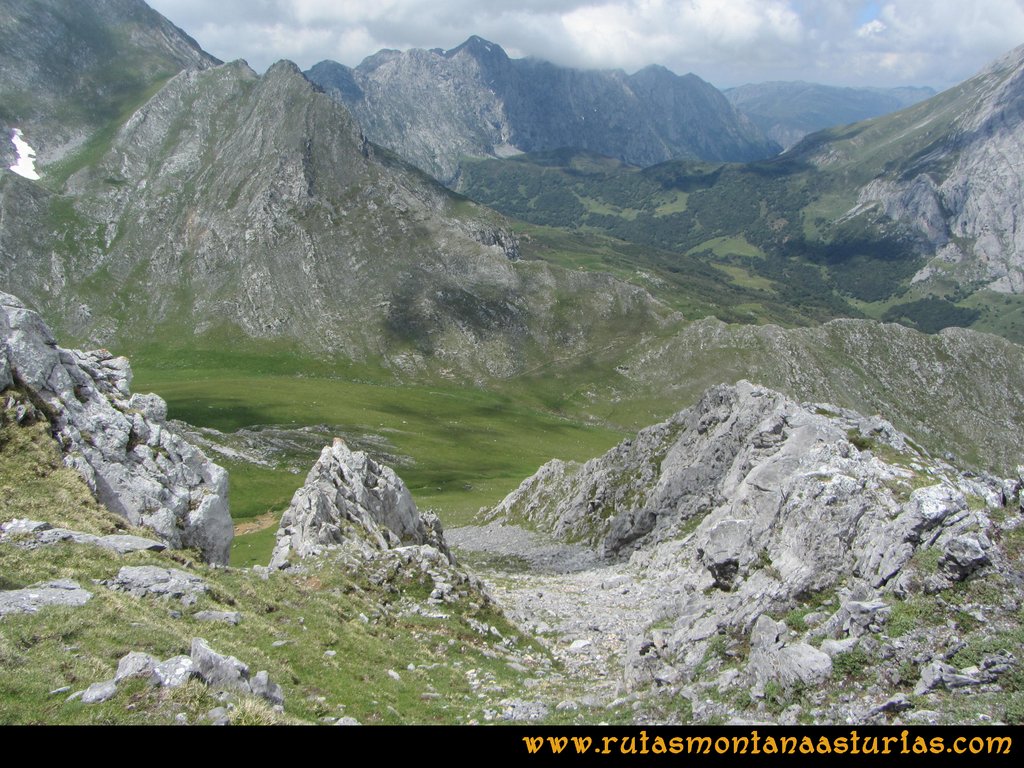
34, 598
153, 581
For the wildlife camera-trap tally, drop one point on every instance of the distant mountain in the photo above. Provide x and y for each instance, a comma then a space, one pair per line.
945, 171
70, 67
788, 111
912, 217
435, 107
233, 209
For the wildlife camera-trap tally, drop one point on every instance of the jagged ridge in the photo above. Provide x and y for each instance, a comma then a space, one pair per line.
433, 107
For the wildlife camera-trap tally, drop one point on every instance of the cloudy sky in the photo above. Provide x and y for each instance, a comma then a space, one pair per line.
728, 42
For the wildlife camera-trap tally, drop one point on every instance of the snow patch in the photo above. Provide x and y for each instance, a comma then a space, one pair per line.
26, 164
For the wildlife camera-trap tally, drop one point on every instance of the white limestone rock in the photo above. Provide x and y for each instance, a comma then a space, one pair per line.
350, 500
748, 503
118, 442
32, 599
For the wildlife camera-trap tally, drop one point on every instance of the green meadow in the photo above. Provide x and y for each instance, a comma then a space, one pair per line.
457, 447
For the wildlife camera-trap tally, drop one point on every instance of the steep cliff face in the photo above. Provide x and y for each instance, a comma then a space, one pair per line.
117, 441
940, 169
434, 107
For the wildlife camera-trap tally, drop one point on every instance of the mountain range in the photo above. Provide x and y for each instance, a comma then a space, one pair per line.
435, 107
273, 254
909, 217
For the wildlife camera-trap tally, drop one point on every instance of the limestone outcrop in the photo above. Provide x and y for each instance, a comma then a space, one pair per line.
748, 506
119, 442
351, 501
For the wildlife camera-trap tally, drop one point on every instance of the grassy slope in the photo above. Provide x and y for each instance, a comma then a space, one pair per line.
312, 613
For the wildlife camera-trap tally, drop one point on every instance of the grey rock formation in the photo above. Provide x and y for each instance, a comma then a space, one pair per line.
226, 673
97, 693
33, 533
153, 581
789, 664
32, 599
435, 107
136, 664
747, 503
222, 673
118, 442
349, 499
951, 183
265, 688
174, 672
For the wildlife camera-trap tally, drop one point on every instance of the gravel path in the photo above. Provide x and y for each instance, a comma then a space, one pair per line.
584, 607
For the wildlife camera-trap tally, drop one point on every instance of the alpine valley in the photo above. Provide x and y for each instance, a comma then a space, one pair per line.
492, 390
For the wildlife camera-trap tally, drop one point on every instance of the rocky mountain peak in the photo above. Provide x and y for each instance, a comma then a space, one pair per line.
483, 104
480, 49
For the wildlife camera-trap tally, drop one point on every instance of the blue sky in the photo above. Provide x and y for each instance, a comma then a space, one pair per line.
728, 42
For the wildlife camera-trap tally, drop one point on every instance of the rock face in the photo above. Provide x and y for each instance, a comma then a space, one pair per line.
434, 107
948, 180
747, 504
116, 440
350, 500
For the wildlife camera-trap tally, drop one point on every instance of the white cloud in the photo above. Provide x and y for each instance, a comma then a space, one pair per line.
936, 42
873, 28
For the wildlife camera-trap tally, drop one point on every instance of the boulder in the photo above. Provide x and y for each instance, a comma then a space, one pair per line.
97, 693
174, 672
32, 599
222, 673
136, 664
153, 581
772, 659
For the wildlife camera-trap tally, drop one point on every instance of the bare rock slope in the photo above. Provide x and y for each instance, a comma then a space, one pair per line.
749, 507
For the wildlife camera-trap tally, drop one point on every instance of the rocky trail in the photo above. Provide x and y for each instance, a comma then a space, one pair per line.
583, 608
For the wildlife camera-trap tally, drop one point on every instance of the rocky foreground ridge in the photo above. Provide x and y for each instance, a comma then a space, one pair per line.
779, 555
364, 618
118, 441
